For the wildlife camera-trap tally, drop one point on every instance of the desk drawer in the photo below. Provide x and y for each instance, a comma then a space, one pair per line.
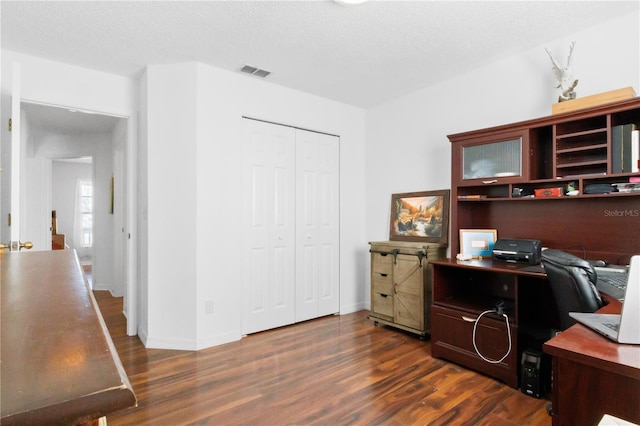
452, 338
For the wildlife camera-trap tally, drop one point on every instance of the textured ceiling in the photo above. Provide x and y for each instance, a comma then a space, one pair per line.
360, 55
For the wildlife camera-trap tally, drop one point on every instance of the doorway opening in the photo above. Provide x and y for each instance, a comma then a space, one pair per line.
72, 208
75, 156
45, 132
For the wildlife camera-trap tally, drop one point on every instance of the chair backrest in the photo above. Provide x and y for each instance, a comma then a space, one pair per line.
573, 283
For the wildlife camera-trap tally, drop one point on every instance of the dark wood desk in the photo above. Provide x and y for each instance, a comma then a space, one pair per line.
59, 365
464, 290
593, 376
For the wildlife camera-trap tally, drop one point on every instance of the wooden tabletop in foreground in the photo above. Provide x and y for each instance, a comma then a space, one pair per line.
59, 365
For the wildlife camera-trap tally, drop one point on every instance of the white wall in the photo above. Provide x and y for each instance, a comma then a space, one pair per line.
211, 103
407, 138
170, 287
223, 99
60, 84
103, 238
142, 197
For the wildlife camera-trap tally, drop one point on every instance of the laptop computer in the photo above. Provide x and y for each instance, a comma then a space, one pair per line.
625, 327
612, 280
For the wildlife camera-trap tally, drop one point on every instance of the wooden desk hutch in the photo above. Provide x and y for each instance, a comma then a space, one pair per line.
495, 175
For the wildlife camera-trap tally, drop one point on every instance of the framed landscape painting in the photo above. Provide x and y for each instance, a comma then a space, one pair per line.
420, 216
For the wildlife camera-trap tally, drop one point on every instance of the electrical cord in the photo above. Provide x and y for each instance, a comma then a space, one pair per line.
498, 311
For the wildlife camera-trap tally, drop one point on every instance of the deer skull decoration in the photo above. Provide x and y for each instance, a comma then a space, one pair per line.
566, 80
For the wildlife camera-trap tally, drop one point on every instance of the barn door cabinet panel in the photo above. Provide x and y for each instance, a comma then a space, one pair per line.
401, 284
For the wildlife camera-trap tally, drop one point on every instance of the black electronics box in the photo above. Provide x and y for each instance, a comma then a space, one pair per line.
534, 376
522, 251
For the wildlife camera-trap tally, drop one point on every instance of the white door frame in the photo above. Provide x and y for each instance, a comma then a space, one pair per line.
15, 158
131, 227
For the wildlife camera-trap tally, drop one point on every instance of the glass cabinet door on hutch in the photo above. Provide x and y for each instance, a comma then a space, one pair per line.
492, 160
484, 166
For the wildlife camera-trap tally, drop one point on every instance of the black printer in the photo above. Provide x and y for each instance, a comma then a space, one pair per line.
521, 251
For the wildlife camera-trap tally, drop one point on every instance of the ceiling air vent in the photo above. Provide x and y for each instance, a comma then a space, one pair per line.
255, 71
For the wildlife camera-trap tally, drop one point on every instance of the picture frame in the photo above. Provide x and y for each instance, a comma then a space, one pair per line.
420, 216
477, 243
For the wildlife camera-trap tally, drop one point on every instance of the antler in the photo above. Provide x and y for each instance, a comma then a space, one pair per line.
556, 68
573, 43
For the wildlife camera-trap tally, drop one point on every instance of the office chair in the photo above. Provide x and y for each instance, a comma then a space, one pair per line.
573, 283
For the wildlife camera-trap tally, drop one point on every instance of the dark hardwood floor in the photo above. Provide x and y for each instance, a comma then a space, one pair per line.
335, 370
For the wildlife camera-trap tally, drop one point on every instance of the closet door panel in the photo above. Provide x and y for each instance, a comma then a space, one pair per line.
268, 223
317, 230
329, 226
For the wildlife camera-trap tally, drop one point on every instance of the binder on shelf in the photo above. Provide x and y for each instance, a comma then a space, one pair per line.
627, 130
616, 149
622, 149
635, 151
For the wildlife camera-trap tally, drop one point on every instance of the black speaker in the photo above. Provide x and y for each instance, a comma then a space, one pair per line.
533, 374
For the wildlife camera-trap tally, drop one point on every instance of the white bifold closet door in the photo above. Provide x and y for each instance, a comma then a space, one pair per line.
290, 270
317, 225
